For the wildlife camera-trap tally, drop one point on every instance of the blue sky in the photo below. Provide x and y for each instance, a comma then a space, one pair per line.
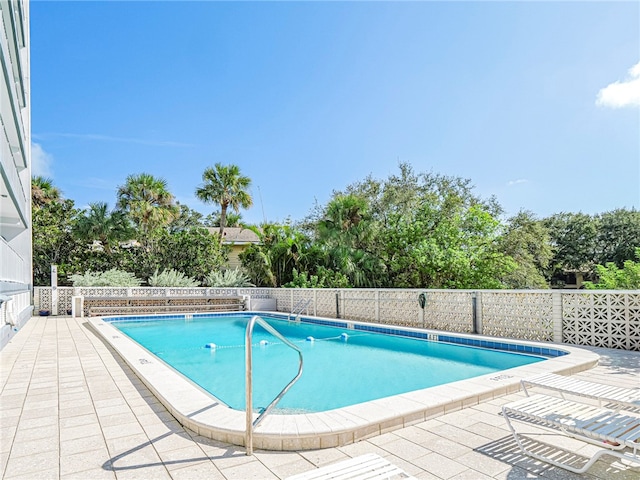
538, 103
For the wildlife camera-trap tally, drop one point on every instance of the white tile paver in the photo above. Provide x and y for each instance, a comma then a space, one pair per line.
72, 409
81, 462
46, 462
405, 449
439, 465
81, 445
199, 471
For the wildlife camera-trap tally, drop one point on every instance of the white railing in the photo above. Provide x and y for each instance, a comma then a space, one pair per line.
12, 265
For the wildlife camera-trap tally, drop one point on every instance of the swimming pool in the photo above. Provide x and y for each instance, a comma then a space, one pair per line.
209, 416
342, 366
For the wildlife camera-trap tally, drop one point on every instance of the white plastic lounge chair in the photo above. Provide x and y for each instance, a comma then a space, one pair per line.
364, 467
624, 397
617, 433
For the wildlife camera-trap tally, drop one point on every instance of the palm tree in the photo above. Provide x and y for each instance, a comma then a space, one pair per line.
147, 201
232, 219
345, 232
282, 248
106, 227
346, 221
225, 186
43, 191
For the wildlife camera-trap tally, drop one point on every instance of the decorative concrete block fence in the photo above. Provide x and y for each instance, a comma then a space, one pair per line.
599, 318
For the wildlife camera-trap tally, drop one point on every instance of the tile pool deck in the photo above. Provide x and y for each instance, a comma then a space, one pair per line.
70, 407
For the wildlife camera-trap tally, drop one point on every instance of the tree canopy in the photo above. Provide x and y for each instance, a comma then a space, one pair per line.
580, 242
96, 239
527, 241
410, 230
413, 230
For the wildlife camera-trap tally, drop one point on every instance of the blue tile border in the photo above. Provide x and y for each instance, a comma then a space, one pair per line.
502, 345
447, 338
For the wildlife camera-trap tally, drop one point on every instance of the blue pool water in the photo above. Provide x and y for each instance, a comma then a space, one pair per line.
337, 373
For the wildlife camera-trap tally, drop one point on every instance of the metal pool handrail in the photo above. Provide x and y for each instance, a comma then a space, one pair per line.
250, 423
299, 306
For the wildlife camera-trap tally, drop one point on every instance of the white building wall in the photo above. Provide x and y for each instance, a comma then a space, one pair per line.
15, 169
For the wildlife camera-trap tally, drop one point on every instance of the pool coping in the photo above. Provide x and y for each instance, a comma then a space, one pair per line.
201, 412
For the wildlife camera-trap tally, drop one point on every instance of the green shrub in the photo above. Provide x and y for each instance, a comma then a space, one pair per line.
110, 278
228, 278
324, 279
172, 278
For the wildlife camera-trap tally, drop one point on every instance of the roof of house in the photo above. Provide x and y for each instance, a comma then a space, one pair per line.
236, 235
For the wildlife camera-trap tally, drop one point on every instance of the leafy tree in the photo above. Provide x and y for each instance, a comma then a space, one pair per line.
610, 277
581, 241
186, 219
527, 241
424, 230
224, 185
574, 242
94, 258
440, 248
97, 223
194, 251
396, 198
148, 202
53, 241
618, 236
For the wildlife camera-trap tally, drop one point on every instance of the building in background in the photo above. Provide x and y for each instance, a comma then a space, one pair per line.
237, 239
15, 169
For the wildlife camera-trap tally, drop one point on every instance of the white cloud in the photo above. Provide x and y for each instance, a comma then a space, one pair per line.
516, 182
40, 161
622, 94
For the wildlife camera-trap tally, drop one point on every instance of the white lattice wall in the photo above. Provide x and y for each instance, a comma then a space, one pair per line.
400, 307
524, 315
357, 304
42, 299
160, 292
256, 292
64, 299
283, 298
325, 302
450, 310
602, 319
105, 291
